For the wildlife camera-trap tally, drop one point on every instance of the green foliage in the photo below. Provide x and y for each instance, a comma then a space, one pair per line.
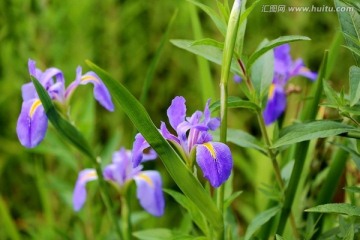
130, 40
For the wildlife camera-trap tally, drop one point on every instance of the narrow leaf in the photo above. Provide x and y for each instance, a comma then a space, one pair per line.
312, 130
155, 61
235, 102
272, 44
64, 127
339, 208
182, 176
354, 86
260, 220
244, 139
211, 53
220, 24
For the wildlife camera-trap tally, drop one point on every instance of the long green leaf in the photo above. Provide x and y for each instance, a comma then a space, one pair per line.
211, 53
61, 125
312, 130
354, 77
235, 102
340, 208
272, 44
220, 24
182, 176
155, 61
245, 140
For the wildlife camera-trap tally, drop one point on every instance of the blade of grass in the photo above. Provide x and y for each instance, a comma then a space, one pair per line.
206, 85
7, 222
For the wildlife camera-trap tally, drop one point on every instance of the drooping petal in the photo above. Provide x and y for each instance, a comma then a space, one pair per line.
79, 194
176, 112
101, 93
32, 123
215, 161
149, 192
139, 145
305, 72
211, 123
275, 105
166, 134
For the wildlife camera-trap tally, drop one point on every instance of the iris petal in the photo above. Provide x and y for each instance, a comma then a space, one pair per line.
79, 194
149, 192
276, 105
139, 145
215, 160
176, 112
32, 123
101, 93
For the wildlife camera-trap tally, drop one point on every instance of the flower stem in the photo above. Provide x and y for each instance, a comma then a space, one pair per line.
276, 167
126, 214
229, 44
106, 197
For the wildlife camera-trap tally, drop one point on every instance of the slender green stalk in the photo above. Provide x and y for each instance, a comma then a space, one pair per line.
44, 195
229, 45
301, 149
328, 189
106, 197
206, 85
276, 168
126, 213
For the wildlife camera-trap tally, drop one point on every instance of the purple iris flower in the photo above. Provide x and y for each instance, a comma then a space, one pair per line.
120, 172
192, 133
284, 69
32, 122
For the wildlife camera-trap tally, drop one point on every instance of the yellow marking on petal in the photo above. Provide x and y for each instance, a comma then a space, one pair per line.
211, 149
146, 179
34, 106
89, 78
304, 69
271, 91
88, 176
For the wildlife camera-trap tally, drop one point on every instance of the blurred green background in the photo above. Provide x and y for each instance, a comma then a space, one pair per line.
122, 37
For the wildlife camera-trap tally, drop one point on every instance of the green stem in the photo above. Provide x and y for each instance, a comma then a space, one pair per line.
276, 168
329, 188
228, 52
106, 197
310, 111
126, 213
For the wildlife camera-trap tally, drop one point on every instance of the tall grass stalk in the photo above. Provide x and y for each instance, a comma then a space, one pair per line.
230, 39
301, 149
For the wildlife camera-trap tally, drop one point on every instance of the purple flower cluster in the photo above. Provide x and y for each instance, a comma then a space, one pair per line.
284, 69
120, 172
32, 122
192, 134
